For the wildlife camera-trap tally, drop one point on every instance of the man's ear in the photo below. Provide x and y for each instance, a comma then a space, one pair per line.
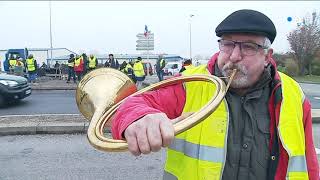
268, 56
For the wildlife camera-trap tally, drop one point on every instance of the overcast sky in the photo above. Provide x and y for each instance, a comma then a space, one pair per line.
111, 27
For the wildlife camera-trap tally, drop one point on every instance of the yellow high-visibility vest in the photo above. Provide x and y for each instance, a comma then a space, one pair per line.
138, 69
126, 70
77, 61
189, 66
70, 64
12, 62
200, 152
92, 62
30, 64
162, 62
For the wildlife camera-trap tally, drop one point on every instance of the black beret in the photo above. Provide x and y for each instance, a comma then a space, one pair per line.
247, 21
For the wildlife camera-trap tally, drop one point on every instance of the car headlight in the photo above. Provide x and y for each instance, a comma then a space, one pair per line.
9, 83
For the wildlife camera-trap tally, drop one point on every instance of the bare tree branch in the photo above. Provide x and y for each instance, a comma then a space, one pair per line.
305, 42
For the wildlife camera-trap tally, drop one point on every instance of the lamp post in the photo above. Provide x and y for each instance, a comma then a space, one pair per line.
50, 34
190, 48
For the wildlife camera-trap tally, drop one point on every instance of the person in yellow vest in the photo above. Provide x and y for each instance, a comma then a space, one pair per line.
129, 71
71, 69
261, 130
19, 67
93, 62
160, 64
32, 67
139, 73
123, 66
12, 64
186, 65
79, 67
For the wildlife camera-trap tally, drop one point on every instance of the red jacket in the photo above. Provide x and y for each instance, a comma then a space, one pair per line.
79, 68
170, 100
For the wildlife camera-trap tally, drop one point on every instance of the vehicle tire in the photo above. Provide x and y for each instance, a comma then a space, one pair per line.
170, 74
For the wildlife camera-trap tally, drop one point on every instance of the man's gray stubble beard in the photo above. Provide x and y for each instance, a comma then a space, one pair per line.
238, 82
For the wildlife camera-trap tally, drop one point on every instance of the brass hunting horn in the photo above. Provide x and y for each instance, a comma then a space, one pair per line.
101, 91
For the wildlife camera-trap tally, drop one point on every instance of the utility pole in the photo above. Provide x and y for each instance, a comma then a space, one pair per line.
50, 35
190, 37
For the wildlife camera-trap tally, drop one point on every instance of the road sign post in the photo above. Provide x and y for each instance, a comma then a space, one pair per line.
145, 42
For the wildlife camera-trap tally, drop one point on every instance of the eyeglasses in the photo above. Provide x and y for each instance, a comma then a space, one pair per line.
246, 48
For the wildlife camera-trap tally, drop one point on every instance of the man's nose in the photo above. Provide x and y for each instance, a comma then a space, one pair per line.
236, 54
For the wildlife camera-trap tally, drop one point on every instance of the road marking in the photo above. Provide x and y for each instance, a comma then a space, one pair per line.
35, 115
317, 98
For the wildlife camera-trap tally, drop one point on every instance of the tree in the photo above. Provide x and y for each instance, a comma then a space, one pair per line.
305, 42
279, 58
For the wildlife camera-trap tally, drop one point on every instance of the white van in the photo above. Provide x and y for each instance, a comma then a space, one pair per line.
172, 68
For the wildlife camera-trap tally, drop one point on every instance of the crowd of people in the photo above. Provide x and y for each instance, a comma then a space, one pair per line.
19, 67
78, 66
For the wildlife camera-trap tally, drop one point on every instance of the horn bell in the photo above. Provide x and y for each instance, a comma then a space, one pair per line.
101, 91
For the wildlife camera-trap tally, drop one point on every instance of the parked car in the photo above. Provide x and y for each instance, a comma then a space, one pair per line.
172, 68
13, 88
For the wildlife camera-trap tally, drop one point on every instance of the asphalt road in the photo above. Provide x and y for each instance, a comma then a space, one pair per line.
44, 102
55, 157
313, 93
63, 102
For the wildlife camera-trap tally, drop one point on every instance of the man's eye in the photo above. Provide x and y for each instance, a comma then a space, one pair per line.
227, 44
249, 46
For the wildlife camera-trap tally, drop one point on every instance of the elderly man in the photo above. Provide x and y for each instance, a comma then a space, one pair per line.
262, 130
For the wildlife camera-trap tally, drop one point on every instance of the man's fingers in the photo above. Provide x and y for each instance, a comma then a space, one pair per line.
167, 132
142, 139
154, 136
132, 142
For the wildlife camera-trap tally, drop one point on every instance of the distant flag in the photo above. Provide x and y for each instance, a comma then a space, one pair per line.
146, 30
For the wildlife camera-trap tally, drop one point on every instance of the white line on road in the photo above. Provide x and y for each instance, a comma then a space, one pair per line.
34, 115
317, 98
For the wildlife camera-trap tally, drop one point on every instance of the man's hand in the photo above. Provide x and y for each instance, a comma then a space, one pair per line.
149, 133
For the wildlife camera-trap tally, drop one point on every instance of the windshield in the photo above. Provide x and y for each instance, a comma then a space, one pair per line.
171, 66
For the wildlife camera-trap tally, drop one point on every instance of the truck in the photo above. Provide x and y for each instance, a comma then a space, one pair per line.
22, 53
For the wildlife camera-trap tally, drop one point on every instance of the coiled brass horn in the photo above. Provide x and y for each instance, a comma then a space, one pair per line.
101, 91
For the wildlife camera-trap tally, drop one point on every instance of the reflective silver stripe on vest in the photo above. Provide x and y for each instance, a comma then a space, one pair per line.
168, 176
197, 151
297, 164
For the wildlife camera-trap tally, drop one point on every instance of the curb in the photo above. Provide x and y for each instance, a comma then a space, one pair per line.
53, 88
58, 128
43, 128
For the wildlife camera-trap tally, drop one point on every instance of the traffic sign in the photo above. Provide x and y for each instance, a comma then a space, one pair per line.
151, 41
146, 39
144, 48
141, 35
145, 45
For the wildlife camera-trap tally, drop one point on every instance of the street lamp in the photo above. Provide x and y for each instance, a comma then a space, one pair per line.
50, 34
190, 50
